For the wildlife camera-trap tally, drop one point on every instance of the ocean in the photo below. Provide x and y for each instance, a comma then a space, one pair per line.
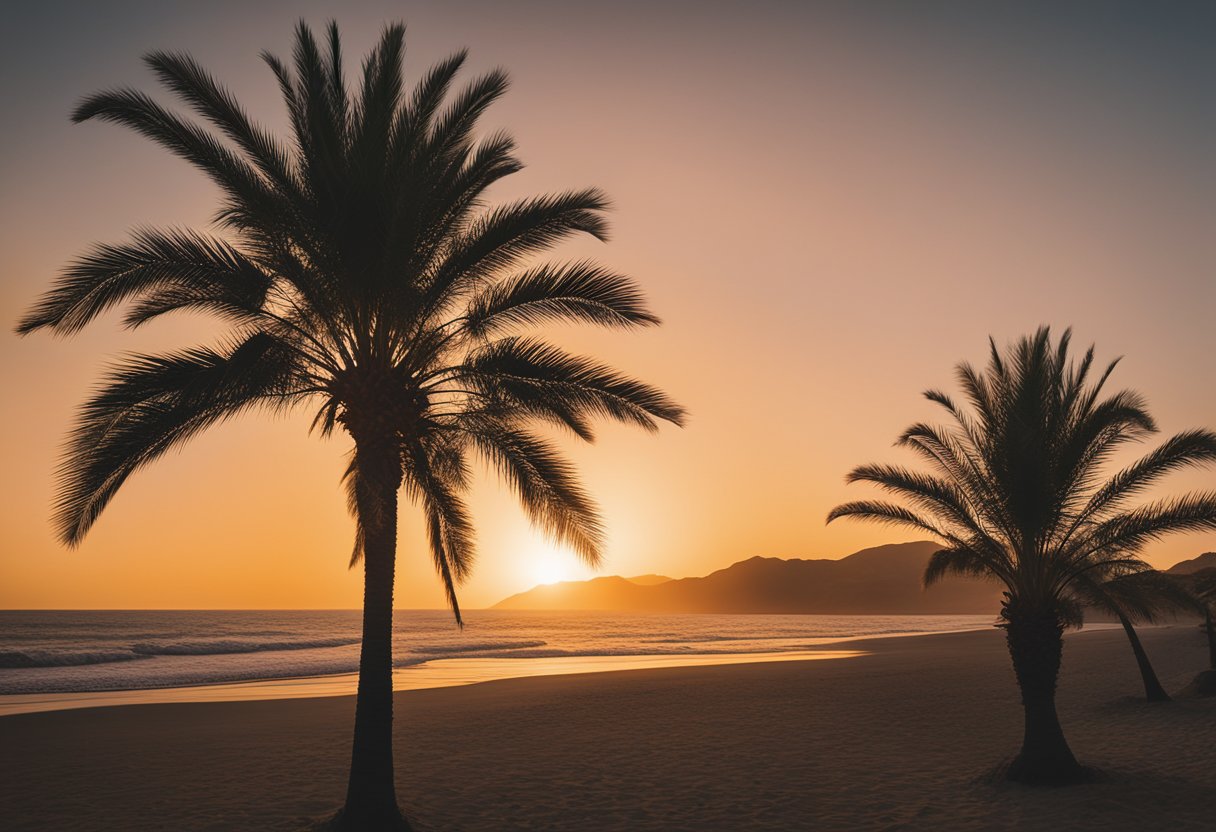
54, 659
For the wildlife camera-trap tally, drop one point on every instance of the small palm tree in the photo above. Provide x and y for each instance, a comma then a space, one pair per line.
1143, 597
364, 277
1202, 586
1016, 493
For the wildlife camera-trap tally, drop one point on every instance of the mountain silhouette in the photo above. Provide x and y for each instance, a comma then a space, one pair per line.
881, 580
1189, 567
648, 580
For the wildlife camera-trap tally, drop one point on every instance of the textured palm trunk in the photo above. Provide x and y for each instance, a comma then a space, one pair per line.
1153, 691
1035, 645
371, 796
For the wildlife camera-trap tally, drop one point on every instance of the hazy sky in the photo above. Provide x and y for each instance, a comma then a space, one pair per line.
830, 204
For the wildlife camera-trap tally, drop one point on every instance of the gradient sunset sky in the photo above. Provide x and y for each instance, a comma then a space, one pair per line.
829, 204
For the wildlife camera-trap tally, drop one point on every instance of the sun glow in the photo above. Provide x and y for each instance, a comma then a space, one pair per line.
548, 563
548, 573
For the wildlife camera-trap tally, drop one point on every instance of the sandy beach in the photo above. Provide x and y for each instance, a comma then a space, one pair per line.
902, 738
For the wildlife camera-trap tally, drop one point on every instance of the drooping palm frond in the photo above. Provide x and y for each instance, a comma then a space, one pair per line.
437, 476
965, 562
545, 483
152, 404
1145, 596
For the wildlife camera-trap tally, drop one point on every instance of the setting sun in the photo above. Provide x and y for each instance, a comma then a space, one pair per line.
544, 562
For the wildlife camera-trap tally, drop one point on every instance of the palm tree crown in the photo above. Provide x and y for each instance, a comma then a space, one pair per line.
366, 276
1016, 490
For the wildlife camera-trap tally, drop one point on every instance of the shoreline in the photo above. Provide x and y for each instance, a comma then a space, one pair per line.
433, 673
898, 738
440, 673
446, 672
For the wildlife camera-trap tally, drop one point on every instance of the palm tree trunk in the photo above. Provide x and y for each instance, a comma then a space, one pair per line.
371, 796
1153, 691
1207, 620
1035, 645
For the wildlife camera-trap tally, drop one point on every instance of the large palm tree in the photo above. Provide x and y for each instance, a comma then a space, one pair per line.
1018, 492
364, 276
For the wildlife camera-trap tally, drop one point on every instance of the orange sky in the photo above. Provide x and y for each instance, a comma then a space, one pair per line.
829, 208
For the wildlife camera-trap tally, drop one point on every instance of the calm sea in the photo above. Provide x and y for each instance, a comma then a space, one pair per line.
69, 657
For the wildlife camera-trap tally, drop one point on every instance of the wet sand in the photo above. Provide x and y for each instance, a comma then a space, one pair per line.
904, 737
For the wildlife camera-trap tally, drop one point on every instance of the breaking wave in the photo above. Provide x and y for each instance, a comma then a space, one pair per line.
12, 659
58, 658
228, 647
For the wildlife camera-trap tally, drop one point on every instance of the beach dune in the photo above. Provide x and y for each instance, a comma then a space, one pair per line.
902, 738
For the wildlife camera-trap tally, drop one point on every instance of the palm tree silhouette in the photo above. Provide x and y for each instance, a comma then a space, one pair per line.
1141, 597
368, 279
1202, 586
1017, 494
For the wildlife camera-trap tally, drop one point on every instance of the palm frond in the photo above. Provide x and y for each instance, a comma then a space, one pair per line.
891, 514
956, 561
381, 96
578, 292
1191, 448
532, 375
414, 120
452, 129
194, 85
152, 404
138, 111
1142, 596
1131, 531
940, 497
163, 268
503, 236
545, 484
435, 479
